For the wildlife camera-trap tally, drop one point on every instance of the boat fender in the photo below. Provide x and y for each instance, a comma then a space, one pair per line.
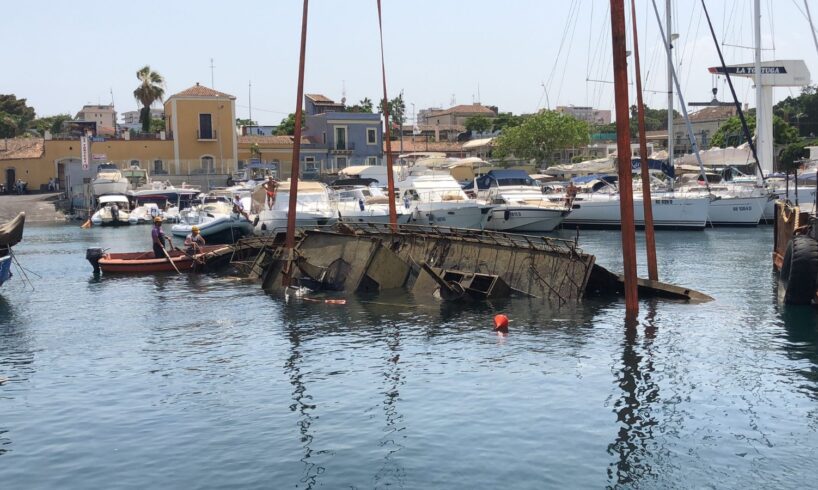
506, 214
802, 269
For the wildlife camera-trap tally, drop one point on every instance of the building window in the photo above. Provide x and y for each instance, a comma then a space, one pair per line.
242, 164
309, 164
158, 168
205, 127
371, 136
208, 166
341, 162
371, 160
341, 138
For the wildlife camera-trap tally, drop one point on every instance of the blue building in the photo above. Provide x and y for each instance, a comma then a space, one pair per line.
338, 139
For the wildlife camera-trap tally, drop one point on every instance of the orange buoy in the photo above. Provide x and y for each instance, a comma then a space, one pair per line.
501, 323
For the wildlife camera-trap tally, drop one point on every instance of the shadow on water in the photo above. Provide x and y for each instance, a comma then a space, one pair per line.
801, 326
635, 406
16, 359
391, 471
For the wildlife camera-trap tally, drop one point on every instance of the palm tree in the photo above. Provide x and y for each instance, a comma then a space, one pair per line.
150, 89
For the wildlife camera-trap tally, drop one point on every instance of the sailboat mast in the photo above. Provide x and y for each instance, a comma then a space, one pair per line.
623, 146
760, 116
670, 136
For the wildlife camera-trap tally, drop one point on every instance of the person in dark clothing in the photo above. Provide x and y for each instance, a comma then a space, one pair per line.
158, 236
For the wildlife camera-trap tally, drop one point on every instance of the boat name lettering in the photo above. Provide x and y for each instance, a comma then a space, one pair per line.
663, 201
742, 208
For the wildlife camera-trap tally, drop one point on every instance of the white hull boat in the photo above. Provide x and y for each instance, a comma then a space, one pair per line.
113, 210
436, 199
216, 221
732, 205
362, 204
109, 180
595, 210
518, 203
314, 208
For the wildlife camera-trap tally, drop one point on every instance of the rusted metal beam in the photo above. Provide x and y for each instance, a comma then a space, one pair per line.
647, 203
623, 140
289, 243
390, 176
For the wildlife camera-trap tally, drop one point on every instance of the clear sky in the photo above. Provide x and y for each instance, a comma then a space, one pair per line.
60, 55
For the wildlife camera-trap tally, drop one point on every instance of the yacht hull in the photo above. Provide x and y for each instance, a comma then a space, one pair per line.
524, 218
669, 212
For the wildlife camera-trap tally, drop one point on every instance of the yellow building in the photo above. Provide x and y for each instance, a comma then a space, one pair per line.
200, 146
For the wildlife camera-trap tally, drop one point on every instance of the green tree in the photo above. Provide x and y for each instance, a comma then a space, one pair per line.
245, 122
365, 105
157, 125
800, 112
790, 157
150, 89
287, 125
397, 110
506, 120
50, 123
478, 124
15, 116
730, 133
540, 135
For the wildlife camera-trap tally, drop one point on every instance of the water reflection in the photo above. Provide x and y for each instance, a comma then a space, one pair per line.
392, 471
801, 325
16, 359
635, 407
302, 401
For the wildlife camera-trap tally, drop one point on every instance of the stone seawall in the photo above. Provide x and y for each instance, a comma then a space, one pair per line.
38, 207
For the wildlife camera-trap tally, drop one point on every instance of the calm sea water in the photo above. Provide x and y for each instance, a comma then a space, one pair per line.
203, 381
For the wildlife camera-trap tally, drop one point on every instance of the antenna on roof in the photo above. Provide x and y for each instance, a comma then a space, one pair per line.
478, 93
212, 83
112, 96
343, 92
453, 101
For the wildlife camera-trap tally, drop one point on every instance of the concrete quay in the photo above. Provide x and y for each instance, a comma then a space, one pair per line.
38, 207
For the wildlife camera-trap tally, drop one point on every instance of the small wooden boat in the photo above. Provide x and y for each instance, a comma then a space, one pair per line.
146, 263
11, 234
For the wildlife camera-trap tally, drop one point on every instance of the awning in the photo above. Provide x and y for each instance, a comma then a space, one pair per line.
477, 143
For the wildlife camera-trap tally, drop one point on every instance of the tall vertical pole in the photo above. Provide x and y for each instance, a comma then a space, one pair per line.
250, 99
289, 242
763, 118
623, 146
647, 203
390, 176
670, 136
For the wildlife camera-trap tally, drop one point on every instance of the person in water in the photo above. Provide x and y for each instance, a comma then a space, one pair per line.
158, 236
194, 241
270, 186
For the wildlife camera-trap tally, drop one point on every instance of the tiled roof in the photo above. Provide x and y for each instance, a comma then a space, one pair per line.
271, 140
431, 127
21, 148
465, 109
321, 99
713, 113
201, 91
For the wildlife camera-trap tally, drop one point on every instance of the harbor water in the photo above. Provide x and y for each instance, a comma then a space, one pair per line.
203, 381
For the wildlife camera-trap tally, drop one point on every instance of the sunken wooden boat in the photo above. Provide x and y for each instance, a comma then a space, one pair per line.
146, 263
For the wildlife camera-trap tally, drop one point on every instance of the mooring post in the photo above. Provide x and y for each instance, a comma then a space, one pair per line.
647, 203
623, 144
289, 242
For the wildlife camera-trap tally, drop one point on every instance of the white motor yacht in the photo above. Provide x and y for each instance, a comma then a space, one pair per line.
314, 207
730, 204
518, 203
112, 210
361, 204
109, 180
435, 198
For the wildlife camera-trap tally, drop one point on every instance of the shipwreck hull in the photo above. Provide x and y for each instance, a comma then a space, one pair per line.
485, 264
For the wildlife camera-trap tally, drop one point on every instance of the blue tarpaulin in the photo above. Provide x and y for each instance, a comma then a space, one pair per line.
661, 165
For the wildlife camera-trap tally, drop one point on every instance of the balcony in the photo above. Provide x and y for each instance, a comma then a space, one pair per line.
206, 135
343, 149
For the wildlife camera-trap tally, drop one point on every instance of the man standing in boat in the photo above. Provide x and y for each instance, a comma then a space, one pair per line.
158, 236
270, 186
194, 241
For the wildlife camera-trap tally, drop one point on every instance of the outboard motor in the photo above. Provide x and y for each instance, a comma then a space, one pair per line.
93, 255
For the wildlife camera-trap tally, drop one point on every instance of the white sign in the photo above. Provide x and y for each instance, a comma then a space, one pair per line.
85, 152
99, 157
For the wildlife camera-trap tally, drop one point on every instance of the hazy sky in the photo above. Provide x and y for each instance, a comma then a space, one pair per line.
60, 55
